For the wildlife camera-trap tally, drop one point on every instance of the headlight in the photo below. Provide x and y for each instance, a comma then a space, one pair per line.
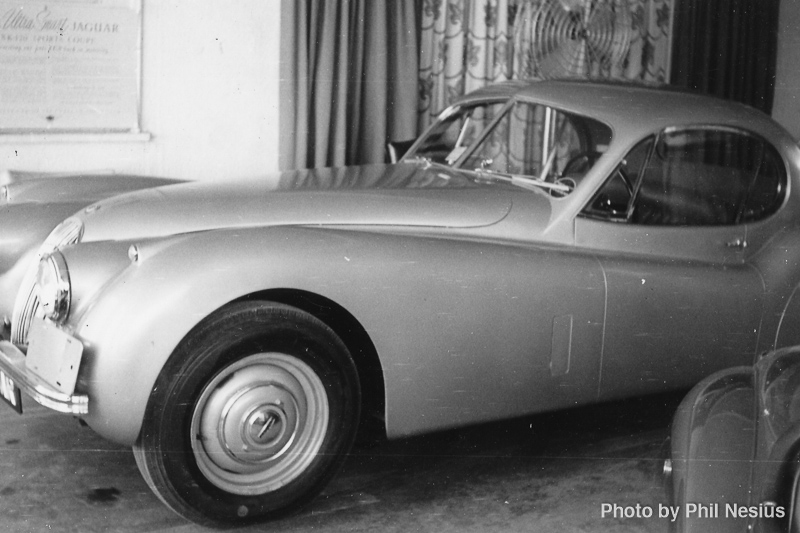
54, 291
27, 302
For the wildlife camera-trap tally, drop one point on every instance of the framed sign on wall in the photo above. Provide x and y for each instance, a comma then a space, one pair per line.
70, 66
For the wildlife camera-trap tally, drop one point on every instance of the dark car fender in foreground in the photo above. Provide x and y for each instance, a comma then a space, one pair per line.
736, 449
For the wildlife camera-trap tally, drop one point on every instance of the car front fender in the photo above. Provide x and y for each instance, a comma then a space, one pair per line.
131, 314
34, 204
712, 446
24, 229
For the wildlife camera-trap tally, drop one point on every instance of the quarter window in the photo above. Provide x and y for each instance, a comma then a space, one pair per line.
614, 199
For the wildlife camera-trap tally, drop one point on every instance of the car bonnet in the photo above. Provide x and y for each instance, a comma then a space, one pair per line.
83, 189
380, 195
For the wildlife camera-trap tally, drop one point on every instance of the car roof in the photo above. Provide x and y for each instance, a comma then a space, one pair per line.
636, 108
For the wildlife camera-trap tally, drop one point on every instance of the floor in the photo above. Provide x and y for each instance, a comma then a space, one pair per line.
548, 473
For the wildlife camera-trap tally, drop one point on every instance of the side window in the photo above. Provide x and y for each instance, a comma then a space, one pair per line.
704, 177
451, 137
767, 191
700, 177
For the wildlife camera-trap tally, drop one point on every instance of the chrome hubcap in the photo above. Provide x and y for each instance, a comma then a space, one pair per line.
259, 423
265, 426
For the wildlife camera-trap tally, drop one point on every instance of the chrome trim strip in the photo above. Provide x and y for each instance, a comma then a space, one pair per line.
12, 363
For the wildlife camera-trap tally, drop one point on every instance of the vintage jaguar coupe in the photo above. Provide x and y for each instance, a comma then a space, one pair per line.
541, 245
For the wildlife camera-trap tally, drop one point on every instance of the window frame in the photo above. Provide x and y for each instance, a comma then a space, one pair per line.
459, 109
783, 178
509, 105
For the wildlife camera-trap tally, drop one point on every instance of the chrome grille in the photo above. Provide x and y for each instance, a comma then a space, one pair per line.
27, 302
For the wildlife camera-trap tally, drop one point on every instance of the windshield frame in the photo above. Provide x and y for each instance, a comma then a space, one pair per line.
508, 103
600, 139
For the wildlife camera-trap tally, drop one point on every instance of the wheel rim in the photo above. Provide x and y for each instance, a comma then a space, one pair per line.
259, 423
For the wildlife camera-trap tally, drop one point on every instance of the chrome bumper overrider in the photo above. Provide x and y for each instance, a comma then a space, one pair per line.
12, 363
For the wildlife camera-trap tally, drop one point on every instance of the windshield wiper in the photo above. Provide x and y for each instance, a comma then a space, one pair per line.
526, 182
415, 159
426, 162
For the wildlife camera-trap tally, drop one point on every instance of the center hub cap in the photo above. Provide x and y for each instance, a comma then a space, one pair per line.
265, 425
259, 423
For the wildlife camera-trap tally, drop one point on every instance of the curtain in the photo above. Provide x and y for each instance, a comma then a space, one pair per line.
649, 56
727, 48
348, 80
466, 44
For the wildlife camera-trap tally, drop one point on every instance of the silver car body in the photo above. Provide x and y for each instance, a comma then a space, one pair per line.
474, 301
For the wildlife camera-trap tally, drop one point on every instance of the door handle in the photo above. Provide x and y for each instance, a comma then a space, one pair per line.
739, 244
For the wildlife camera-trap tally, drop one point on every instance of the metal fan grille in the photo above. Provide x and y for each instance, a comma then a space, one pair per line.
580, 38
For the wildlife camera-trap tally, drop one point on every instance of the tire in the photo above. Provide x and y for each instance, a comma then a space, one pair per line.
251, 416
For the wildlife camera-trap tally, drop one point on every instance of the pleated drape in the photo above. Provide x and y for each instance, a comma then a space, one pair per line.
727, 48
348, 80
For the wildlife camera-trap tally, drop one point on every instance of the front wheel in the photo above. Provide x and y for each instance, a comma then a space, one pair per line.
251, 416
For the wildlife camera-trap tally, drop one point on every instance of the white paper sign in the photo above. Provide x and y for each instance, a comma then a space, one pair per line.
69, 65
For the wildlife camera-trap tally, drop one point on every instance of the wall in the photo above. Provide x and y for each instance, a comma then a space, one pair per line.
209, 99
786, 108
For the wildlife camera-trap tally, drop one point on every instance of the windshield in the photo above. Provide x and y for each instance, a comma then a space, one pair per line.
455, 132
530, 145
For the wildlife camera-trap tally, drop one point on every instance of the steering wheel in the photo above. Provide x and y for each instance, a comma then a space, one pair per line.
579, 164
573, 172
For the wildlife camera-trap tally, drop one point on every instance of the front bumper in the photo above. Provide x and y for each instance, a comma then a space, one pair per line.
13, 364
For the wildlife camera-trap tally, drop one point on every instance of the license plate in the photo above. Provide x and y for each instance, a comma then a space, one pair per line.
53, 355
10, 392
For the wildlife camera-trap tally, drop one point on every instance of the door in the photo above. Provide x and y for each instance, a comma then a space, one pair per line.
669, 230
